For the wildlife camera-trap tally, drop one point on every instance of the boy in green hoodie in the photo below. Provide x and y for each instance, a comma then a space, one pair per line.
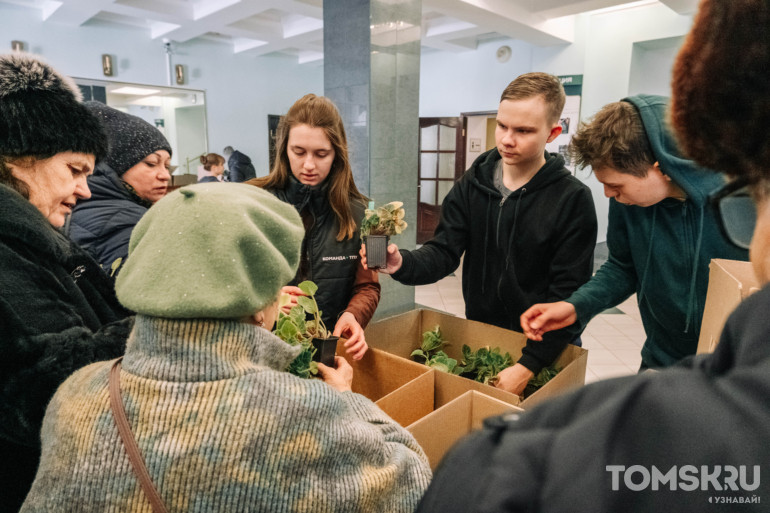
662, 231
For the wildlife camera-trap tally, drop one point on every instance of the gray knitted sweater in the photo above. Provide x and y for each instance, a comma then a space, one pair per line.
221, 428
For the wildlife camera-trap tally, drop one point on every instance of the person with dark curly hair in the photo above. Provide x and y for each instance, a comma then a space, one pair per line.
662, 231
693, 437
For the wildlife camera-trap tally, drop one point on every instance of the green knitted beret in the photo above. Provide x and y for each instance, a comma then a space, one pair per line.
219, 250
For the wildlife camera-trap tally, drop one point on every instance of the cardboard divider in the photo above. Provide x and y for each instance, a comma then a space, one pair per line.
730, 282
437, 432
401, 334
401, 388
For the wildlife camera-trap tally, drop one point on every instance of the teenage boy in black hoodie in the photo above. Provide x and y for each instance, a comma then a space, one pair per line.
526, 225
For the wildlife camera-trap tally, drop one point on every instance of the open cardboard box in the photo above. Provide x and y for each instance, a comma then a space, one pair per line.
392, 383
730, 282
437, 432
402, 334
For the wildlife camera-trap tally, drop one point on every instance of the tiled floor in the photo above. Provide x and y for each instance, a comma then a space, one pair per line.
613, 340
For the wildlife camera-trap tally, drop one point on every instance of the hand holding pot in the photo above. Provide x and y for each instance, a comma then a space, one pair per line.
393, 262
341, 378
347, 326
545, 317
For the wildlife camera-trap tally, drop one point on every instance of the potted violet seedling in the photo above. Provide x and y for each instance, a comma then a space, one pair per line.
377, 227
294, 328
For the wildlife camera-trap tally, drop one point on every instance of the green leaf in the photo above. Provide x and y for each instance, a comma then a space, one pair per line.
308, 287
307, 304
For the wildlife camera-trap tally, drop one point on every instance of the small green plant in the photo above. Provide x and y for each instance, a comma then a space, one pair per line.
482, 365
385, 220
432, 354
295, 329
540, 379
485, 364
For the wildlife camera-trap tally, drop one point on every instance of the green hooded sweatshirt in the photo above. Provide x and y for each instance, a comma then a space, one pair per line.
661, 252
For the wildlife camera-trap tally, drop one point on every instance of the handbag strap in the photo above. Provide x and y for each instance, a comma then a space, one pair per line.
132, 449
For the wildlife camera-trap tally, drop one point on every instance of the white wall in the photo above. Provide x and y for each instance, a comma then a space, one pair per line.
452, 83
240, 91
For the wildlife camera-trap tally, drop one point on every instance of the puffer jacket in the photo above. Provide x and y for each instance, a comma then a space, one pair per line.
102, 224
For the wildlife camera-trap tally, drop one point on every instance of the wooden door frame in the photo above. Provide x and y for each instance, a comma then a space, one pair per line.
427, 215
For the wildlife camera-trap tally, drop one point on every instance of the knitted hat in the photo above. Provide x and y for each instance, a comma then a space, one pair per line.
131, 138
40, 112
219, 250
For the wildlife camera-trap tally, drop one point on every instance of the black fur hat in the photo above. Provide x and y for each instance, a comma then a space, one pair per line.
41, 113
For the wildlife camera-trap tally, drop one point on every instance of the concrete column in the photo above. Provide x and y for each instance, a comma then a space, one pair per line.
372, 73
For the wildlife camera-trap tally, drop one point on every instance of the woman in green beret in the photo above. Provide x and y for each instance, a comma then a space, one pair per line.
218, 423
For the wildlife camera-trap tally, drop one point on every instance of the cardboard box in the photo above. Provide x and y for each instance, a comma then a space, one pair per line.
392, 384
402, 334
439, 431
730, 282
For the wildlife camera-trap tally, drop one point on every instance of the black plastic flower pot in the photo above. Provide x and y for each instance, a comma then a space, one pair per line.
376, 251
325, 349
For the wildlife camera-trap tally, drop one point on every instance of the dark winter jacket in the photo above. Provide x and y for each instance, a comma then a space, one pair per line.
535, 247
330, 263
208, 179
102, 224
58, 312
608, 446
241, 168
661, 252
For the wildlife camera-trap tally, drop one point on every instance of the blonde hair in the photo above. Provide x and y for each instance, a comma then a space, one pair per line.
538, 84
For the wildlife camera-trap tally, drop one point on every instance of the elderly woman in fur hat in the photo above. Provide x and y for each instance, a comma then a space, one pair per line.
58, 310
217, 422
131, 178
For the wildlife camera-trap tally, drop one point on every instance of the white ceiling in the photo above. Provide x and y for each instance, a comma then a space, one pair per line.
295, 27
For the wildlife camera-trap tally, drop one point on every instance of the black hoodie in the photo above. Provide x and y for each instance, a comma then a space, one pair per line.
535, 247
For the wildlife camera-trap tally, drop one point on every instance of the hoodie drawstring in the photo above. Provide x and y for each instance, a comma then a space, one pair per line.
486, 241
649, 254
692, 303
513, 227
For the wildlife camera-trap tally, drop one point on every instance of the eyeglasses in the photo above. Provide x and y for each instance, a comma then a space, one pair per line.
736, 212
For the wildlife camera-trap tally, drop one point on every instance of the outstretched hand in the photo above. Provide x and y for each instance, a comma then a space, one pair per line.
514, 379
393, 260
544, 317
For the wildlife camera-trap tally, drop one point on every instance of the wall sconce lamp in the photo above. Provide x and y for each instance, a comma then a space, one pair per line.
179, 74
17, 46
107, 67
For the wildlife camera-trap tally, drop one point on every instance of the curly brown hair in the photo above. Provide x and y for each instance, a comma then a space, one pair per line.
614, 137
720, 108
320, 112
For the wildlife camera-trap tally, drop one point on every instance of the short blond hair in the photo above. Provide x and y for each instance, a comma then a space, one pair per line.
538, 84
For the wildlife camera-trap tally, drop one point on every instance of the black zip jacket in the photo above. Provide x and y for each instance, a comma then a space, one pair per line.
58, 312
688, 440
329, 263
535, 247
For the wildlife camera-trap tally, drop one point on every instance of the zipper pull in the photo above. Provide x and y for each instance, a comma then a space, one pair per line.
78, 272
